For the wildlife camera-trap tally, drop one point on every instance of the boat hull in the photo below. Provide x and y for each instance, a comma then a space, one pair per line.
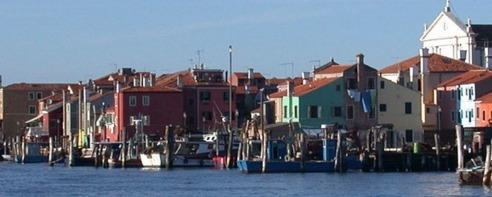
285, 166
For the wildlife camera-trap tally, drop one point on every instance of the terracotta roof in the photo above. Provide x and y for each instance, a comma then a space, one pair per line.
36, 86
472, 76
97, 96
325, 66
244, 75
187, 80
335, 69
306, 88
156, 88
108, 80
487, 98
437, 64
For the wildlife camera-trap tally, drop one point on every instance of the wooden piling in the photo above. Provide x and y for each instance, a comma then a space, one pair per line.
70, 148
380, 151
302, 150
438, 155
486, 173
459, 148
264, 144
338, 160
229, 147
123, 148
169, 148
23, 144
50, 155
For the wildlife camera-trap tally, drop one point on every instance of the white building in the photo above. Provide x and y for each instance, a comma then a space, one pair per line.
449, 36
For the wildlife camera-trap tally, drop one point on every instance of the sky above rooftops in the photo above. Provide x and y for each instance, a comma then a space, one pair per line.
71, 41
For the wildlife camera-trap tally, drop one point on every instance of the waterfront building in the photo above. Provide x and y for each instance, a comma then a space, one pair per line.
19, 103
447, 35
423, 73
205, 97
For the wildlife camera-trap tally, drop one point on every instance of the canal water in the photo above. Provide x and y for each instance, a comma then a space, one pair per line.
42, 180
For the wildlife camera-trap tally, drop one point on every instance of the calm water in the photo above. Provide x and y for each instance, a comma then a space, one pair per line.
41, 180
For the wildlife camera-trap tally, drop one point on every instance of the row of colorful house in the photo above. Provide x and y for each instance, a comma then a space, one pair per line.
444, 85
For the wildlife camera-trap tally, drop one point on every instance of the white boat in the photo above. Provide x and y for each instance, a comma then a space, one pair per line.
186, 154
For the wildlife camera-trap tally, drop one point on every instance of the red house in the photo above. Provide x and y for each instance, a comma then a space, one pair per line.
205, 97
146, 109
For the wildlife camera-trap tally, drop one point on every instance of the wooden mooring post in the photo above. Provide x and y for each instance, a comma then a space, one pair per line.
123, 148
486, 173
23, 144
459, 148
169, 148
229, 146
50, 155
438, 155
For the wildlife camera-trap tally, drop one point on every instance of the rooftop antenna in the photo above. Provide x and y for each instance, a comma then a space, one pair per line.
199, 52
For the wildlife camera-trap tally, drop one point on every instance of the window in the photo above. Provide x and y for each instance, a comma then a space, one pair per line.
30, 96
382, 107
478, 112
226, 96
133, 101
295, 111
206, 115
285, 111
419, 85
314, 111
32, 110
381, 84
409, 135
351, 83
338, 88
337, 111
427, 110
453, 118
145, 100
205, 96
371, 83
350, 112
453, 94
483, 115
408, 108
39, 95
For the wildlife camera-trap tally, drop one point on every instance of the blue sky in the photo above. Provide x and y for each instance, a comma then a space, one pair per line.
71, 41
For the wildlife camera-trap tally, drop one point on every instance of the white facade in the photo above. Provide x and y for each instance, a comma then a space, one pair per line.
466, 104
450, 37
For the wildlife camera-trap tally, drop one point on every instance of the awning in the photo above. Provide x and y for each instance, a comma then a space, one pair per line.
37, 132
34, 119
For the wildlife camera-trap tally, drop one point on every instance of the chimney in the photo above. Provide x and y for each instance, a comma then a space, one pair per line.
413, 72
118, 87
179, 81
152, 79
424, 61
202, 66
488, 58
250, 73
145, 82
136, 81
305, 77
142, 84
290, 88
360, 71
462, 56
